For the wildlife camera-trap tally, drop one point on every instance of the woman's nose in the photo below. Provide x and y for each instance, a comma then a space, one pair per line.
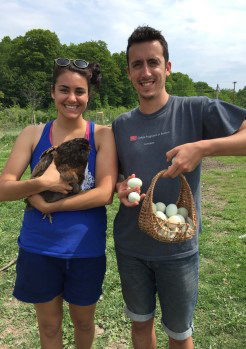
72, 96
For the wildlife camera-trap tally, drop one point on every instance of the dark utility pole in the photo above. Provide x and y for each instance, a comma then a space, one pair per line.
217, 91
234, 90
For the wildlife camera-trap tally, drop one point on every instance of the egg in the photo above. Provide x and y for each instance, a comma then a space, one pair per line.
189, 221
161, 215
134, 182
160, 206
183, 211
182, 219
171, 210
163, 231
171, 234
133, 196
173, 221
153, 207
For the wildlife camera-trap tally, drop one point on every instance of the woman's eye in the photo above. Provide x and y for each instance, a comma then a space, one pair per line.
80, 92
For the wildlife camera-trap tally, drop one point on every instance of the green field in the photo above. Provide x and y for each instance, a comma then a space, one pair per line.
220, 320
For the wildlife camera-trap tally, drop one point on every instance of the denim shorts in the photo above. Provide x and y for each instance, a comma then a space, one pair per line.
175, 282
41, 278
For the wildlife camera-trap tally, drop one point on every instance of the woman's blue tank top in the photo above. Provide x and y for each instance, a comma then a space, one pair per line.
72, 234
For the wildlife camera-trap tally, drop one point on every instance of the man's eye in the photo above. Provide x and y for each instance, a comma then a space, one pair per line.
153, 62
136, 65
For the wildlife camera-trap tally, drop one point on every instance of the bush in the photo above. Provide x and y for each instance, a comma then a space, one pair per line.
17, 117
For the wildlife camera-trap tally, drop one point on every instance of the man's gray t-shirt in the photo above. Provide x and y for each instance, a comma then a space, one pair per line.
142, 142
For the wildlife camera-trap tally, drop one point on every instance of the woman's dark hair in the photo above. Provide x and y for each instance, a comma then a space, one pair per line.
92, 73
146, 33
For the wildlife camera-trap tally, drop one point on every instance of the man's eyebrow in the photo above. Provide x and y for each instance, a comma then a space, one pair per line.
157, 59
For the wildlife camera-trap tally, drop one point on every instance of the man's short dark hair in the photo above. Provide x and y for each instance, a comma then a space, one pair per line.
146, 33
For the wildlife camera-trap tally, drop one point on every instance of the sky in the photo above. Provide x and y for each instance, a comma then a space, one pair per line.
206, 38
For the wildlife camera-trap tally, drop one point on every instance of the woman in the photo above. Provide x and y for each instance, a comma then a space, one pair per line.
65, 259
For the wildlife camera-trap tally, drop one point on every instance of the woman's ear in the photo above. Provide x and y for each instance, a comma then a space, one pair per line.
52, 91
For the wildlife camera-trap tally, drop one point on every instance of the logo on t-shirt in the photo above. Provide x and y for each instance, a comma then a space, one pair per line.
133, 138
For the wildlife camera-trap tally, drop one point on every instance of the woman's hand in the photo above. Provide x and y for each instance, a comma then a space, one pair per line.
52, 180
38, 202
123, 192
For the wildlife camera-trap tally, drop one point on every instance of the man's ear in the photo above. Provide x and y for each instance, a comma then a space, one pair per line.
128, 73
168, 68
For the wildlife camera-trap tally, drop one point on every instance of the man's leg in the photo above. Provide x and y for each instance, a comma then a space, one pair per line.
184, 344
177, 285
143, 335
139, 292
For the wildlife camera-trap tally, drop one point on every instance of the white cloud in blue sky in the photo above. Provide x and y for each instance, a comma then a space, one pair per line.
206, 37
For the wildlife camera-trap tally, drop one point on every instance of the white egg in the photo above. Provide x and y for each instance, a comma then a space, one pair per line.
160, 206
181, 217
163, 231
173, 221
161, 215
134, 182
133, 196
183, 211
171, 234
171, 210
153, 207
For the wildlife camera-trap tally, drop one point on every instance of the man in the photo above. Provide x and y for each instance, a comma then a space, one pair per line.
147, 139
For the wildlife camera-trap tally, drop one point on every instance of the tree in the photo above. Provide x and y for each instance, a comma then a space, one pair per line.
241, 98
26, 70
97, 51
203, 89
179, 84
31, 61
129, 95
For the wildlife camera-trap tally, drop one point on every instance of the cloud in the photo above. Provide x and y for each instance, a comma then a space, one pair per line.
206, 38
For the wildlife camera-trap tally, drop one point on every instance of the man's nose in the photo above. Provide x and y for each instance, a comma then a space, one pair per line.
146, 69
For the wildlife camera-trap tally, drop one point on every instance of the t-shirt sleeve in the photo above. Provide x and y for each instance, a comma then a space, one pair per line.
221, 119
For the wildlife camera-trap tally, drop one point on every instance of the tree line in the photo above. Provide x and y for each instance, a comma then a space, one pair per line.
26, 64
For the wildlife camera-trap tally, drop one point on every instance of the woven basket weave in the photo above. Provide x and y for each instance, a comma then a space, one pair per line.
160, 229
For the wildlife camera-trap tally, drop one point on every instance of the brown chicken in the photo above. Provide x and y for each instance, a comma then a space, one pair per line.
70, 158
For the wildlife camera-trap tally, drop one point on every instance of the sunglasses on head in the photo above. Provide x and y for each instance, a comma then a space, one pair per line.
64, 62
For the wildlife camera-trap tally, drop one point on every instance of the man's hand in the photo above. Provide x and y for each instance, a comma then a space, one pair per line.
123, 192
187, 157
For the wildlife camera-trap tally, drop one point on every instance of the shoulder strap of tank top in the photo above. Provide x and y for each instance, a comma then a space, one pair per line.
87, 131
50, 133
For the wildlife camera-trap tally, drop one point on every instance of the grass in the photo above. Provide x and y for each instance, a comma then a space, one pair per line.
220, 321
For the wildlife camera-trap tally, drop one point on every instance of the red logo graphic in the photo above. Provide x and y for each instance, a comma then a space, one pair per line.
133, 138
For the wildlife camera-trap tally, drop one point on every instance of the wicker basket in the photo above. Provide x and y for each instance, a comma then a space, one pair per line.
160, 229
